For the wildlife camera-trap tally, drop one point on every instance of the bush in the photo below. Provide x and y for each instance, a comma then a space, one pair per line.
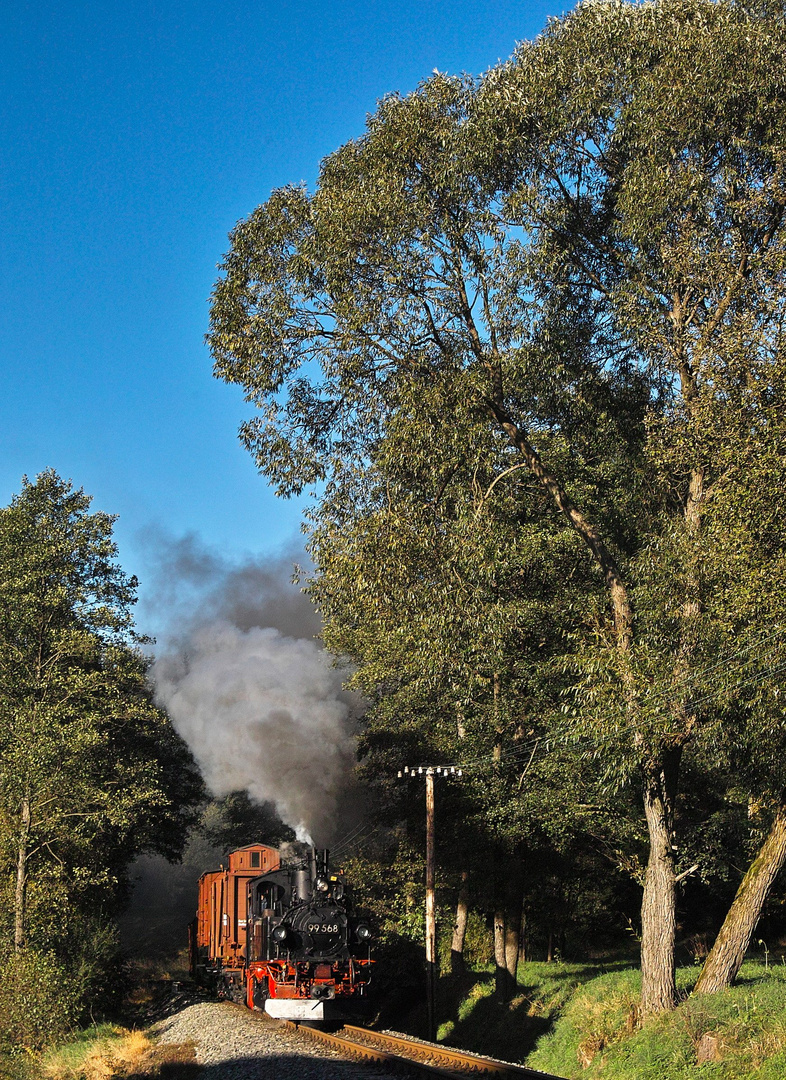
40, 1000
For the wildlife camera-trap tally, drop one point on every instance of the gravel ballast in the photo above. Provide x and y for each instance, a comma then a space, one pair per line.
232, 1044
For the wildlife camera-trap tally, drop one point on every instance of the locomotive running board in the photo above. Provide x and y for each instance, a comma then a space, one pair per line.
292, 1009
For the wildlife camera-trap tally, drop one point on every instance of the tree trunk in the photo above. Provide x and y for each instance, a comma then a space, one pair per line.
501, 977
523, 934
20, 895
726, 956
512, 931
658, 906
513, 905
618, 593
460, 928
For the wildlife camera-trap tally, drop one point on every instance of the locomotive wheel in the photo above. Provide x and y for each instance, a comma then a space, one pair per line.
229, 990
260, 993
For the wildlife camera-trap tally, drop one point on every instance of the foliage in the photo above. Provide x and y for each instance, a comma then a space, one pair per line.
91, 772
41, 1000
526, 338
236, 820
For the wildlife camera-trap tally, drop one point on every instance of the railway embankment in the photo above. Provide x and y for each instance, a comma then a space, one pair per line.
209, 1040
737, 1034
568, 1020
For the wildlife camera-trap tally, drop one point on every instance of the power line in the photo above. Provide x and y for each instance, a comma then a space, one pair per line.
350, 836
367, 830
650, 707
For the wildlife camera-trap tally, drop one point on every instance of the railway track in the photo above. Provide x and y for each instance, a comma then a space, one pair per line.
414, 1056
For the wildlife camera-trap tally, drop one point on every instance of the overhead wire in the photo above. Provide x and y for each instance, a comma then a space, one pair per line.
650, 706
355, 838
348, 837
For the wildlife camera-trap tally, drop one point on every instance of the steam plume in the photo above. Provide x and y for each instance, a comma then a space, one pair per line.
248, 688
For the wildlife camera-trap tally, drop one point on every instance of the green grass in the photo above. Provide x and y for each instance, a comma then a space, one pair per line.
94, 1053
598, 1033
105, 1051
583, 1021
472, 1019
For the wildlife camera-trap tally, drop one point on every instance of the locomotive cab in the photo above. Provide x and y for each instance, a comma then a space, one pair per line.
268, 898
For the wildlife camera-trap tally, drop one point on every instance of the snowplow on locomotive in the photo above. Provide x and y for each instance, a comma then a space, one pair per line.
280, 936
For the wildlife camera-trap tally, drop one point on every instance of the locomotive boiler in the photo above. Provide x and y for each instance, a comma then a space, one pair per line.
280, 936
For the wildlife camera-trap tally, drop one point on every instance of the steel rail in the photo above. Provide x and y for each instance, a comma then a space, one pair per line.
441, 1060
352, 1049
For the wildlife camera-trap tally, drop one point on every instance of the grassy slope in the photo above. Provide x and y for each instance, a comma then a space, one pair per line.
582, 1021
597, 1034
477, 1022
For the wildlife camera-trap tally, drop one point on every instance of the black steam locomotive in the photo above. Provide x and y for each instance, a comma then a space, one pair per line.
281, 937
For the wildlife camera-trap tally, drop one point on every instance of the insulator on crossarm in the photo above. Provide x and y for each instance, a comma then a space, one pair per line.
420, 770
460, 773
400, 774
452, 770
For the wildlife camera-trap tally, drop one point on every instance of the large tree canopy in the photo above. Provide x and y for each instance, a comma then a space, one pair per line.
544, 312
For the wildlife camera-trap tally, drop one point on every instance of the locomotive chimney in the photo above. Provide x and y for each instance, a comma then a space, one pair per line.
302, 885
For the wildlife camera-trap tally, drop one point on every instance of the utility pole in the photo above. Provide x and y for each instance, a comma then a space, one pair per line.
431, 916
429, 771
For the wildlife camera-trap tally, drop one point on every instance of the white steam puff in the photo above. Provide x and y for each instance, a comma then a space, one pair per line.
264, 712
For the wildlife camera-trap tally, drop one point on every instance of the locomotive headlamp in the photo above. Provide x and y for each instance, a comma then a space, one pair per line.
321, 885
363, 932
279, 934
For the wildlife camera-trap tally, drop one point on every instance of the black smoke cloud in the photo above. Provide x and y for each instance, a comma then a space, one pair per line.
245, 682
188, 584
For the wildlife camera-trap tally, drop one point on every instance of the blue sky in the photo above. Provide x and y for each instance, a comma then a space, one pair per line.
133, 136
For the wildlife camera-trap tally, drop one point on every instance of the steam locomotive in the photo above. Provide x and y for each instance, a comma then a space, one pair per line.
279, 936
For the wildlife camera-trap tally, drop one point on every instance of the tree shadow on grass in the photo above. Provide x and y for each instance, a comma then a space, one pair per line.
505, 1031
479, 1021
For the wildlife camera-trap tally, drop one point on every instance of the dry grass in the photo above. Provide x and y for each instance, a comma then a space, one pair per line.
604, 1022
169, 1063
120, 1053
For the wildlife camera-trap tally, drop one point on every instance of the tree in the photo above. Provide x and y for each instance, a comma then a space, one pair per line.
236, 820
582, 256
91, 772
657, 188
